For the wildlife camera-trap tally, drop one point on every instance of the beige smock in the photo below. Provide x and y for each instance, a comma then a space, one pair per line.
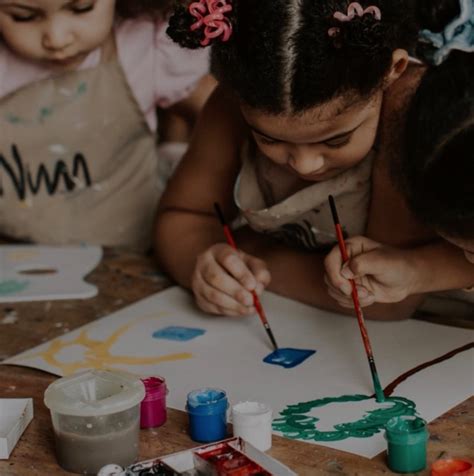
95, 181
302, 219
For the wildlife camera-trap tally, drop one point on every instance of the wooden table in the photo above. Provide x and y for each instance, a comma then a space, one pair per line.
123, 279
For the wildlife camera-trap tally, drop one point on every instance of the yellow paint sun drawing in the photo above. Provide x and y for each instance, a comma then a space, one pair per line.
97, 354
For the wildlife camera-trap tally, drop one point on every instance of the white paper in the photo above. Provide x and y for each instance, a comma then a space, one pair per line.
40, 273
229, 356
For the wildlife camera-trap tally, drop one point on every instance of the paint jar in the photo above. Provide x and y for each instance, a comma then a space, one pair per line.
207, 410
153, 406
252, 421
406, 437
96, 419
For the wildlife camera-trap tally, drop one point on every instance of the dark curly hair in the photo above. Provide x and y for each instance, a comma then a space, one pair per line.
436, 173
139, 8
280, 57
434, 15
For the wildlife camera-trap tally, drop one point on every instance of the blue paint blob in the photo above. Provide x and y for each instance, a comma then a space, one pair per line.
178, 333
288, 358
207, 410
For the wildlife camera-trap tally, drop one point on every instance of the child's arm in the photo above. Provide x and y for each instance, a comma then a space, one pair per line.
388, 275
190, 242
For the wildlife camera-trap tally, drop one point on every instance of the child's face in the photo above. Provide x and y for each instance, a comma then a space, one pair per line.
320, 143
59, 33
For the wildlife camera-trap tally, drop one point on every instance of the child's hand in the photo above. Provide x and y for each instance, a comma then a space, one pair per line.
382, 274
223, 279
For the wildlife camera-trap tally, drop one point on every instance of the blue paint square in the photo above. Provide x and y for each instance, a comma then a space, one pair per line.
178, 333
288, 358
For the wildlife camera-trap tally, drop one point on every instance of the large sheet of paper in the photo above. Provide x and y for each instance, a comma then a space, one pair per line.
166, 335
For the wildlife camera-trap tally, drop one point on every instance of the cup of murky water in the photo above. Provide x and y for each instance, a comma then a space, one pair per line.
96, 419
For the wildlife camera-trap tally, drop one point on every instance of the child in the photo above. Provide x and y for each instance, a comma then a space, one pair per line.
303, 88
436, 175
79, 85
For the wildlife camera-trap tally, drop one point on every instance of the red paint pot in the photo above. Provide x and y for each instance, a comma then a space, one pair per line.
153, 406
452, 467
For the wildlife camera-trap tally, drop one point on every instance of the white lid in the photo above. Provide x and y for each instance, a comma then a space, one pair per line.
94, 393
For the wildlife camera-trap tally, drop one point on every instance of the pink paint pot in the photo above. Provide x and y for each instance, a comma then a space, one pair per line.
153, 406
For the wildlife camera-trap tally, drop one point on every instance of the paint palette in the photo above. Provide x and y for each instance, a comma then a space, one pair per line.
40, 273
288, 358
231, 457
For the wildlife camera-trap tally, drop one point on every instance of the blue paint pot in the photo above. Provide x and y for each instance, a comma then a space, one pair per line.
207, 410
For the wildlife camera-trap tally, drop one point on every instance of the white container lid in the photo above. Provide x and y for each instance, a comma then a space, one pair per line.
94, 393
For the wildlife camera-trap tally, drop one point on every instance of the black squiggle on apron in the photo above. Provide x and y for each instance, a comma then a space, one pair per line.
24, 180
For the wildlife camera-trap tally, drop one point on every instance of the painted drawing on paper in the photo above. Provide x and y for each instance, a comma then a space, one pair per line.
326, 399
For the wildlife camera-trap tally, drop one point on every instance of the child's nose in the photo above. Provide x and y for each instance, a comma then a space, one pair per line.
306, 161
57, 37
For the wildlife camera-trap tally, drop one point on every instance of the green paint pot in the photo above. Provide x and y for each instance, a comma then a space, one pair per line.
406, 437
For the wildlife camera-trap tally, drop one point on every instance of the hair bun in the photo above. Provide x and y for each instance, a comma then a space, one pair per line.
363, 35
179, 29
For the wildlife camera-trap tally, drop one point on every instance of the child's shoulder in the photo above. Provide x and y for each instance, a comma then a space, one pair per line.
148, 55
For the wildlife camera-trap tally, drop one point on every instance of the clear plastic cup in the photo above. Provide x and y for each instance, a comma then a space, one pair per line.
96, 419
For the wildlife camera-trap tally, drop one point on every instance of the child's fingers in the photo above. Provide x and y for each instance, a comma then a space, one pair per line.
222, 290
236, 267
259, 269
333, 264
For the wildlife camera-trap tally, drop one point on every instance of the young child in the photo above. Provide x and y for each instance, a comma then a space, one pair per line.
436, 175
297, 116
80, 82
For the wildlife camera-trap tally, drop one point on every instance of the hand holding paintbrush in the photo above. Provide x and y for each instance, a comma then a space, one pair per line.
256, 300
379, 395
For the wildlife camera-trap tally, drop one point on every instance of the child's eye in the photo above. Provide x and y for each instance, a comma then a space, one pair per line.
83, 8
266, 140
339, 142
24, 18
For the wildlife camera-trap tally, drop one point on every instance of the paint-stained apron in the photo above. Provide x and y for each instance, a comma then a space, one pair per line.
302, 219
77, 162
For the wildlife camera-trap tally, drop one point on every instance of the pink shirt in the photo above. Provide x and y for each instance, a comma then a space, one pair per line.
159, 72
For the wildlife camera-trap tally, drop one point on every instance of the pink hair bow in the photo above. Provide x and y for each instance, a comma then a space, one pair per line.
211, 15
355, 9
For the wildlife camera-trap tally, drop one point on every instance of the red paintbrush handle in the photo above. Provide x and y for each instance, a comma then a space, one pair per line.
355, 295
229, 237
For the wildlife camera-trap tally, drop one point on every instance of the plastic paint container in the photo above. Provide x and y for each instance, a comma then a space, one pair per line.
207, 410
153, 406
452, 467
406, 437
96, 419
253, 422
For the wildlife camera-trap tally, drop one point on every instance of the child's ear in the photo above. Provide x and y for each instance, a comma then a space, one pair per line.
397, 68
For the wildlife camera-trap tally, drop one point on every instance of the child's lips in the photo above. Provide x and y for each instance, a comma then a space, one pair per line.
67, 60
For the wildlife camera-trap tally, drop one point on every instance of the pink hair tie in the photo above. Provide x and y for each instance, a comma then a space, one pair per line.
211, 15
355, 9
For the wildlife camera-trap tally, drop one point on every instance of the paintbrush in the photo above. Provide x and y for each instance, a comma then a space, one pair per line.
379, 395
256, 300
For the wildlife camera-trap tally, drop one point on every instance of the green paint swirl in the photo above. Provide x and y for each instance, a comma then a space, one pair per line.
294, 422
12, 286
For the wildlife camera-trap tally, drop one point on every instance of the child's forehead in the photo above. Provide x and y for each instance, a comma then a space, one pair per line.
39, 4
332, 117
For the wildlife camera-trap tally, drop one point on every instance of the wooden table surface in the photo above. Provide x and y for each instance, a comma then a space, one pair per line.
123, 279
